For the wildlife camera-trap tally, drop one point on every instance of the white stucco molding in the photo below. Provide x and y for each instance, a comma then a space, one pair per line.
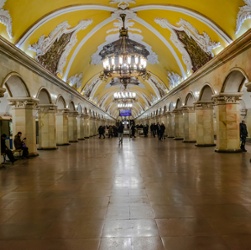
244, 14
5, 18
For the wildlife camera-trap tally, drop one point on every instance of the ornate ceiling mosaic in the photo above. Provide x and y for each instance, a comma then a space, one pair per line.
67, 36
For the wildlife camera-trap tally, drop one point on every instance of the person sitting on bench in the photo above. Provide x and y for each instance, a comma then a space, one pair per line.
20, 144
5, 150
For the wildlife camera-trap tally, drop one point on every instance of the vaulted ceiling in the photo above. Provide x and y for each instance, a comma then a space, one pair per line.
66, 37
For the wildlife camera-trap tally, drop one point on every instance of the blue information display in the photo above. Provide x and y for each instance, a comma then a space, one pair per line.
125, 112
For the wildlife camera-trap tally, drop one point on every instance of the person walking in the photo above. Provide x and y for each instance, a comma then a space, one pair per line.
243, 135
101, 131
120, 132
161, 131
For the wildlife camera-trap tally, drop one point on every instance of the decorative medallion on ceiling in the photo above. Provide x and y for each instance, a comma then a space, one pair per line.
52, 51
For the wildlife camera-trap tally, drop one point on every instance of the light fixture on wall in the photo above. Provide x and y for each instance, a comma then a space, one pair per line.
124, 58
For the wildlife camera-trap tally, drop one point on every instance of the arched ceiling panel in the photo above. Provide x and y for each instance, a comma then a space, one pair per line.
169, 29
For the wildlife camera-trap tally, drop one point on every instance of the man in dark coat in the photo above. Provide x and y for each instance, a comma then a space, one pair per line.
5, 149
243, 135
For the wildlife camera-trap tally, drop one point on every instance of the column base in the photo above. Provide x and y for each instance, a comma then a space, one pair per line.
87, 137
73, 141
170, 136
228, 150
178, 138
205, 145
187, 141
45, 148
63, 144
81, 139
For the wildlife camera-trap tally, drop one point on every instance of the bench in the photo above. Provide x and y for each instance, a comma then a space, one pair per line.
17, 152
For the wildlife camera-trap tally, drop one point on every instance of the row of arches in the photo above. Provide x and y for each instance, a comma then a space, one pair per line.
17, 88
234, 83
208, 117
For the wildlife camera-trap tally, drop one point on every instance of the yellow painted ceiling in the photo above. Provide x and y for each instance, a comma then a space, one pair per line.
35, 23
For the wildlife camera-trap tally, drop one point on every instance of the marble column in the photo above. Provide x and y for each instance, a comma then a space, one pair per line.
81, 127
47, 126
204, 124
170, 125
62, 127
227, 122
2, 90
189, 117
24, 120
87, 126
73, 127
179, 124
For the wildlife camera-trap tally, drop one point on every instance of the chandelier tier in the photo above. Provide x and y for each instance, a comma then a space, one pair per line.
125, 105
124, 95
124, 58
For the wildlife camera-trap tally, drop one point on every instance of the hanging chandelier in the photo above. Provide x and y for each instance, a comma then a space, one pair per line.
124, 58
124, 96
124, 105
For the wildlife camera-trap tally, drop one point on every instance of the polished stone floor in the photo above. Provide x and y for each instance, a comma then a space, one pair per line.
143, 195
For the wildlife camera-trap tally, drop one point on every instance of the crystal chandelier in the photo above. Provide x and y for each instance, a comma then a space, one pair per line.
124, 96
124, 58
124, 105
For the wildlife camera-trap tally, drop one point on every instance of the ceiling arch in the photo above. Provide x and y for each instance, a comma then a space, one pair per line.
170, 30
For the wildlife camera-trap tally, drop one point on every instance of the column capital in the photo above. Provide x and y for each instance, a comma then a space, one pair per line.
23, 102
188, 109
204, 105
177, 111
2, 90
73, 113
224, 98
63, 111
47, 107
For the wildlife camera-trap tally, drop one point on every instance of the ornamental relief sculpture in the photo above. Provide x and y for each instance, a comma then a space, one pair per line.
5, 18
244, 14
196, 49
219, 100
52, 51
